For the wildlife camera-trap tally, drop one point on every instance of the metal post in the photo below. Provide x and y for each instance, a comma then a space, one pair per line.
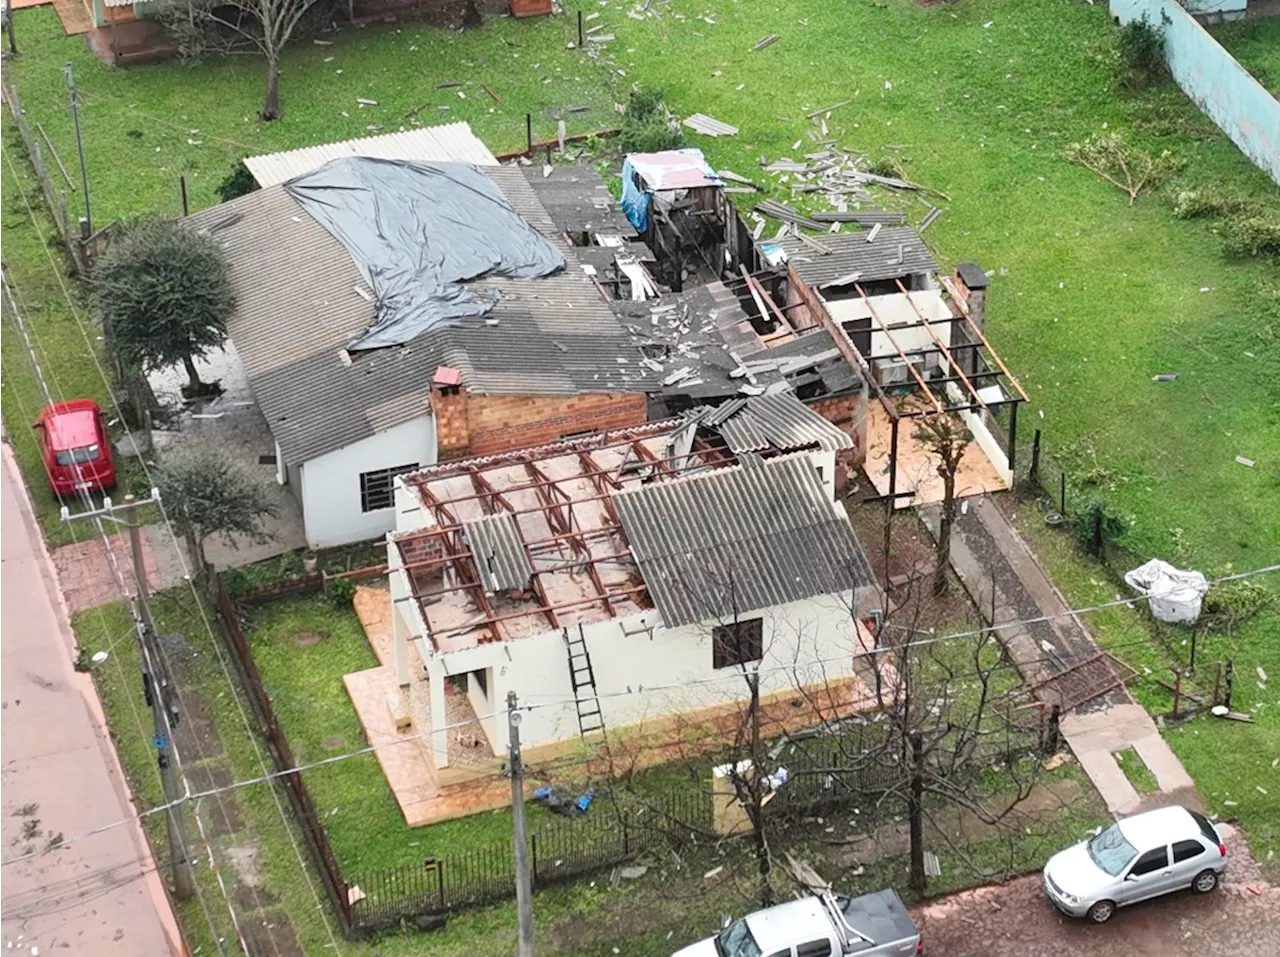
1177, 691
1194, 633
139, 569
1035, 457
1229, 681
1013, 442
75, 119
528, 133
581, 39
1217, 682
1062, 494
13, 41
182, 184
524, 889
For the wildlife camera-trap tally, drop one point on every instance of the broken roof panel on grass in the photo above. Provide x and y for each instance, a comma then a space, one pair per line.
301, 300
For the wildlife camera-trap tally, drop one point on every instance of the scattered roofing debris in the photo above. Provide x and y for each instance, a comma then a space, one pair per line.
767, 41
701, 123
786, 214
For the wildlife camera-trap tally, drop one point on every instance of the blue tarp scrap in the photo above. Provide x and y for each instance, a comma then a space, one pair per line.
669, 170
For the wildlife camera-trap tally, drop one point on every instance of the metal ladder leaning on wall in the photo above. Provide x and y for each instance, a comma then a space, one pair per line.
583, 679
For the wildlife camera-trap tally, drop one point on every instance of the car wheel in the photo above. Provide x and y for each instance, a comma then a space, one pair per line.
1205, 882
1102, 911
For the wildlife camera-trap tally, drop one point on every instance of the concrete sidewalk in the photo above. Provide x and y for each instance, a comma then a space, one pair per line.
99, 895
988, 553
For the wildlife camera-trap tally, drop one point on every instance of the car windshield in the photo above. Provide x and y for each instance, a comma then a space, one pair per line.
736, 941
1110, 851
88, 453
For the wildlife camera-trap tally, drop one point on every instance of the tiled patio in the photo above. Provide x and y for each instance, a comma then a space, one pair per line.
918, 467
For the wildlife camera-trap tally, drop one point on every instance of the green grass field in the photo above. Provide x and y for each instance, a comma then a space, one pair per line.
1256, 45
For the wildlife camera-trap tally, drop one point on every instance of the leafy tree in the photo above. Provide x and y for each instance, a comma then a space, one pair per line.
946, 437
239, 182
206, 493
648, 125
164, 294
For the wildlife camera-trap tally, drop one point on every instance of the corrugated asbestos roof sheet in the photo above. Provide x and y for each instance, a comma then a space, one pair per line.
452, 143
300, 300
499, 552
780, 421
578, 201
736, 540
896, 251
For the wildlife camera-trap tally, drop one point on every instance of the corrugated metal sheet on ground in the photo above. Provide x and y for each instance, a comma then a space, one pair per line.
499, 552
737, 540
850, 253
451, 143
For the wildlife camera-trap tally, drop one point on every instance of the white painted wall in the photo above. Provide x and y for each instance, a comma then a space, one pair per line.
983, 436
894, 309
330, 484
813, 639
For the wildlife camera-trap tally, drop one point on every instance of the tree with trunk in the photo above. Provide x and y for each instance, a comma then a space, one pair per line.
267, 24
205, 493
946, 438
164, 294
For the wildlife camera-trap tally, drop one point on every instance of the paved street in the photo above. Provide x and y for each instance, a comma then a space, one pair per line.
1016, 920
98, 896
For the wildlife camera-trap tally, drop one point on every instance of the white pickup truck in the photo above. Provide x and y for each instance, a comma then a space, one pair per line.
828, 925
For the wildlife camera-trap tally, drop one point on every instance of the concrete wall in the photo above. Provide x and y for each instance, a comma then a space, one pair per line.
1226, 92
330, 485
814, 640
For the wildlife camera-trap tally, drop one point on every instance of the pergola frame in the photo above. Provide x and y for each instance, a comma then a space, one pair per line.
934, 403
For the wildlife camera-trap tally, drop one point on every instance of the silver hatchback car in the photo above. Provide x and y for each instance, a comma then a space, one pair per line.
1141, 857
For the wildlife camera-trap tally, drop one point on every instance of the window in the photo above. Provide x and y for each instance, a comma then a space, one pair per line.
376, 487
1185, 850
1210, 833
81, 456
814, 948
737, 643
1110, 851
1151, 861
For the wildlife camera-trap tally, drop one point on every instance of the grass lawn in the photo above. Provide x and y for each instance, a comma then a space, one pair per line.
1256, 45
145, 126
1139, 775
670, 906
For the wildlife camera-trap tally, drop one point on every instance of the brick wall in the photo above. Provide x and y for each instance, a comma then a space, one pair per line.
477, 424
849, 412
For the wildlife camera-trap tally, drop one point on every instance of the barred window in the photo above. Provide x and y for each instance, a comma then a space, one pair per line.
738, 643
377, 488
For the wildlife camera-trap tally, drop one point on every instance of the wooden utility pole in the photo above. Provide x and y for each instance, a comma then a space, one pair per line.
155, 685
524, 884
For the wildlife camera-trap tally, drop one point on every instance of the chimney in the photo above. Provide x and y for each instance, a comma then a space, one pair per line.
449, 406
971, 282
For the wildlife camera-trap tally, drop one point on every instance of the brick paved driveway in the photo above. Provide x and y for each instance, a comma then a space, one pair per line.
1015, 920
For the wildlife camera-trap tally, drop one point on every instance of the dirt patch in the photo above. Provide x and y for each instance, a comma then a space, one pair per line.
248, 899
244, 858
336, 743
219, 812
306, 639
271, 934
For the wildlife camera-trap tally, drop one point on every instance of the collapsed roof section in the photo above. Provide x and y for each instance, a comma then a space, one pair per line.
526, 542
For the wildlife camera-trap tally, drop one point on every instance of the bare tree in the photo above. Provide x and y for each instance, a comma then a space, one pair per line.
267, 24
946, 437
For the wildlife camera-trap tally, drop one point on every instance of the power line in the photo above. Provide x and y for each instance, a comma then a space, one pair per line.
186, 568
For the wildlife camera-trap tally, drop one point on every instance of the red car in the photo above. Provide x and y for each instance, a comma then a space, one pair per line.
76, 449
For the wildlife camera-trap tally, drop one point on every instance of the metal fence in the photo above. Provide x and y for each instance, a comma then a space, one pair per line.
557, 852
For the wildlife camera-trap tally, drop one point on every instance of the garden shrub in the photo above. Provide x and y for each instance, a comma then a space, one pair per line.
648, 126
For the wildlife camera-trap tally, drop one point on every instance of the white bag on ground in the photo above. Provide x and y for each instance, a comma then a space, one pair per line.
1172, 594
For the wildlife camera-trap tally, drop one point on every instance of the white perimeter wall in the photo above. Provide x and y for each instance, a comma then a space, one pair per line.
330, 485
815, 638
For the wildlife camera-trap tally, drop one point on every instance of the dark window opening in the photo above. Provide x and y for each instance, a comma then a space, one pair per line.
482, 682
1185, 850
737, 644
1151, 861
377, 489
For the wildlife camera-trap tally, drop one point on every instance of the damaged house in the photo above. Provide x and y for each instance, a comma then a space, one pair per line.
616, 581
379, 338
